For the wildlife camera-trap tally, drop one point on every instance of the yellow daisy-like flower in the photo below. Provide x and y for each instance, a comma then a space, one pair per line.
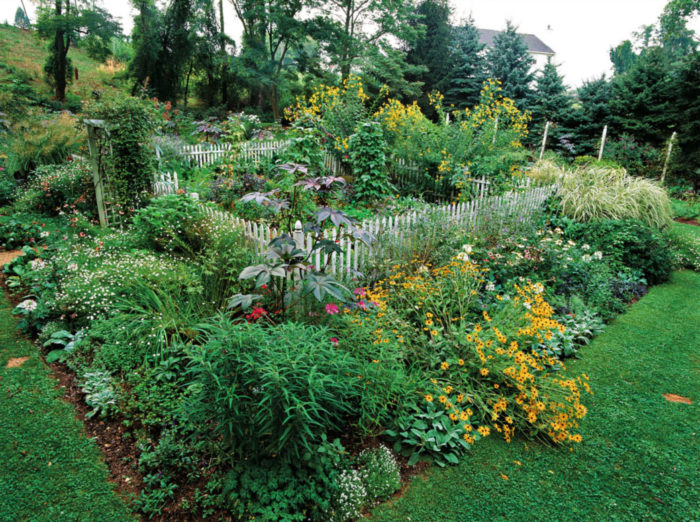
484, 371
463, 415
477, 327
445, 365
433, 332
428, 315
429, 322
442, 399
461, 362
429, 398
453, 417
484, 431
460, 397
448, 389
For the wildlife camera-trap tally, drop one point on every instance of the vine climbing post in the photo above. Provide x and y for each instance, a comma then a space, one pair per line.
602, 143
544, 139
668, 156
96, 135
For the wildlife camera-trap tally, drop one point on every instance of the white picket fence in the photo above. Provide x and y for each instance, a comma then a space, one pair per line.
165, 183
206, 154
397, 232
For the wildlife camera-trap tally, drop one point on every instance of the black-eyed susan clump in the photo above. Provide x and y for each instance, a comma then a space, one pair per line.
513, 387
479, 357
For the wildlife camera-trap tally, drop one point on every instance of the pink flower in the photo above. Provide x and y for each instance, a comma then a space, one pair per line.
334, 341
332, 308
362, 305
359, 291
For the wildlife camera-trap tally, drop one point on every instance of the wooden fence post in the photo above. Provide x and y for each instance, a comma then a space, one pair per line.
602, 142
668, 156
544, 139
495, 130
96, 132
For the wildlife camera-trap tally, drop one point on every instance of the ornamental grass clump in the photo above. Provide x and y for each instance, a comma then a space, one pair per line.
592, 193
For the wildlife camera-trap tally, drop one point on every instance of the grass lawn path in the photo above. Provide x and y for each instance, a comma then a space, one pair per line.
49, 469
640, 457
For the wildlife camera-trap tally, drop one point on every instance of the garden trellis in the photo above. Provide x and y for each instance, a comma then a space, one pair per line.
397, 232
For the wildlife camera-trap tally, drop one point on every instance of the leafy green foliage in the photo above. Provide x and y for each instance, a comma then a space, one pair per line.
429, 435
131, 164
274, 401
174, 223
100, 394
368, 161
56, 189
629, 244
271, 489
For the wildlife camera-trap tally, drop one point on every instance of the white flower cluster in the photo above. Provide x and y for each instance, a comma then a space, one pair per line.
350, 498
381, 473
37, 264
464, 254
28, 304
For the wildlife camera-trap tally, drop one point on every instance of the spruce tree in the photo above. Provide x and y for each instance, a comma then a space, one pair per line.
510, 62
550, 102
468, 66
591, 113
641, 99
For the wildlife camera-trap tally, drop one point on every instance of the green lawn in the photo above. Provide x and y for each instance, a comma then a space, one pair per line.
640, 454
49, 469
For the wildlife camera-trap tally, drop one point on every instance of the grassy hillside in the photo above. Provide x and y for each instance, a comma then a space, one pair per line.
22, 58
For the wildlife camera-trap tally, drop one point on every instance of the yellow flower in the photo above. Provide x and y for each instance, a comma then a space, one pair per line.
442, 399
484, 431
429, 398
484, 372
433, 332
460, 362
453, 417
445, 365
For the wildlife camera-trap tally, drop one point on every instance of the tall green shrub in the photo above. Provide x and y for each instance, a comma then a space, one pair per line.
132, 162
368, 160
267, 392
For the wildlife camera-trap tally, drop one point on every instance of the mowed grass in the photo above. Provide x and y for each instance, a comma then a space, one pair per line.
640, 457
27, 52
49, 469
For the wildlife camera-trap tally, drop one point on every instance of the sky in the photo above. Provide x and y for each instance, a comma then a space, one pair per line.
581, 32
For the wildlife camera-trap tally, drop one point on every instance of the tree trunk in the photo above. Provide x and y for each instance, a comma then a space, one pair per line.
187, 83
274, 102
224, 66
60, 52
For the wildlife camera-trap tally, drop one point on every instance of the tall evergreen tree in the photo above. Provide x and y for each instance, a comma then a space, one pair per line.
430, 52
468, 71
550, 102
641, 99
687, 115
510, 63
591, 113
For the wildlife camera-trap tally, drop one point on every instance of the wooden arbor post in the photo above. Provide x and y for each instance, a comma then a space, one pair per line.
97, 134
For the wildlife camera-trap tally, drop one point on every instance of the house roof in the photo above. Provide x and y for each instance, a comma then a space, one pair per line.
534, 44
